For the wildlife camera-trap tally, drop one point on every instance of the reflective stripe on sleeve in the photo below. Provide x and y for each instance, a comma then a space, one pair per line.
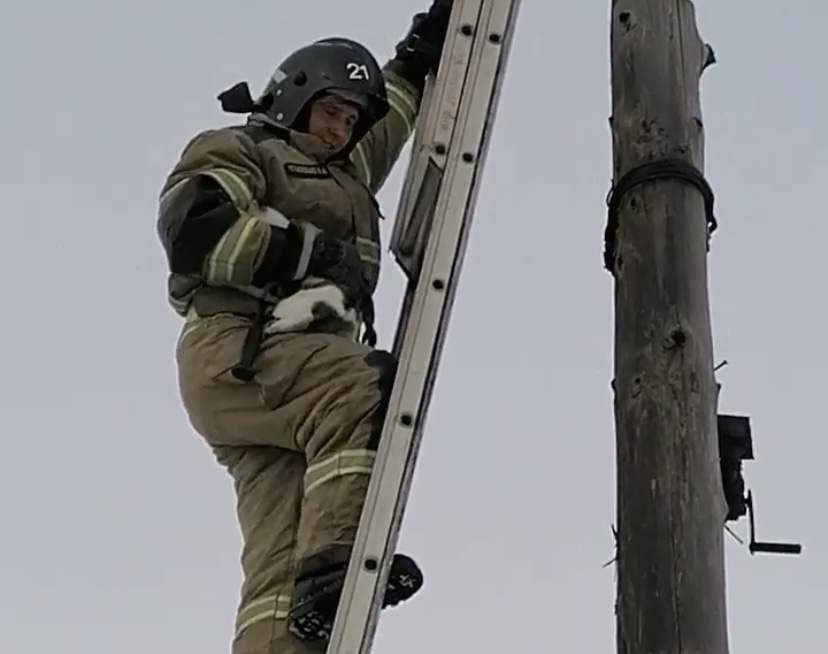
233, 185
360, 160
369, 251
403, 104
222, 262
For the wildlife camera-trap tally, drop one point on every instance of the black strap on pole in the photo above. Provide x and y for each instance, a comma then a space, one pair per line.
669, 168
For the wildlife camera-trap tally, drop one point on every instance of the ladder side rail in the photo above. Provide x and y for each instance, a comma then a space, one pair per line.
483, 106
459, 53
424, 330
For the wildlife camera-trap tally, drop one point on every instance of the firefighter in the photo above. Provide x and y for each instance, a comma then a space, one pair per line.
271, 233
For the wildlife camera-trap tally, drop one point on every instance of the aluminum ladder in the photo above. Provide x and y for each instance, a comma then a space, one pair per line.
431, 230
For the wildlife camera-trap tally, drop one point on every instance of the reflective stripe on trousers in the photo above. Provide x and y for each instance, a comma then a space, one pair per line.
347, 462
269, 607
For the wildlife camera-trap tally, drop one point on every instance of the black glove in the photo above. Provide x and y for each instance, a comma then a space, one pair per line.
419, 52
339, 262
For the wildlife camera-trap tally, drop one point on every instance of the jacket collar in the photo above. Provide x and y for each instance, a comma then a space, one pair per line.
307, 144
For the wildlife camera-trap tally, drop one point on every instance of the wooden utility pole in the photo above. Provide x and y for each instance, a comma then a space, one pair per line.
671, 508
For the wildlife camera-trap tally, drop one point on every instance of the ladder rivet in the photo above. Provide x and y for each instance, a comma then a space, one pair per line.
468, 157
438, 284
406, 420
371, 564
440, 148
466, 30
494, 37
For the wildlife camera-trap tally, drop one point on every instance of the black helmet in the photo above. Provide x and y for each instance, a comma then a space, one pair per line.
336, 65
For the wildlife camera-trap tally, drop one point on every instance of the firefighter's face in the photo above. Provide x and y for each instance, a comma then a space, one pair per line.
332, 120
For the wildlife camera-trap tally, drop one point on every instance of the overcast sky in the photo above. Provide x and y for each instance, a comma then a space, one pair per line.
118, 532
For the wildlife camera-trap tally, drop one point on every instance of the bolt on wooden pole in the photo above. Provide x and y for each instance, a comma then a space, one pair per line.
671, 508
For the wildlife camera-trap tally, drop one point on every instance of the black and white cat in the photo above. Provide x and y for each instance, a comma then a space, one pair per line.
319, 305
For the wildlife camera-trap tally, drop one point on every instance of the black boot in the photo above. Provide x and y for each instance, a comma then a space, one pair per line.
319, 585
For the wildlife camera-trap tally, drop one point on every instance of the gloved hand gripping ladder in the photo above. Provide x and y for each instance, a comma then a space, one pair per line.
429, 242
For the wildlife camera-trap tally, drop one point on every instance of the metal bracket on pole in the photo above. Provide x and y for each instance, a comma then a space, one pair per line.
764, 547
735, 446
